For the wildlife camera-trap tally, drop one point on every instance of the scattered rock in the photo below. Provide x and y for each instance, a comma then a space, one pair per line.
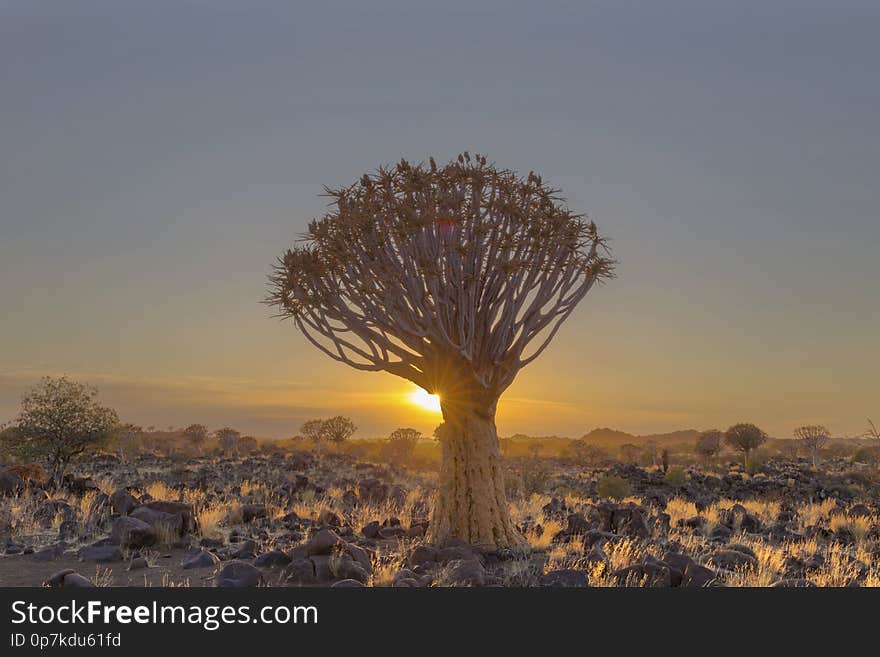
566, 578
238, 575
100, 553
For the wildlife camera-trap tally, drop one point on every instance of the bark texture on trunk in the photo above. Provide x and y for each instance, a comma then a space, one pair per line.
471, 504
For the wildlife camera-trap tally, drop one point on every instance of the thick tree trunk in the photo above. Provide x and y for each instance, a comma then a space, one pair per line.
471, 504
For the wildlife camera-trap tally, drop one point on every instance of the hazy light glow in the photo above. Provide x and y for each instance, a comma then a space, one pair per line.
426, 400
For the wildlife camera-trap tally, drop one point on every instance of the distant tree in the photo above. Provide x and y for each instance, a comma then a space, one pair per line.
312, 430
873, 431
197, 434
129, 439
402, 443
664, 460
709, 443
61, 419
813, 437
248, 445
228, 439
629, 453
745, 438
652, 450
789, 448
338, 429
584, 452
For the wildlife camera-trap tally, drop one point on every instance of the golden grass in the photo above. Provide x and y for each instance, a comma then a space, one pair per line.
159, 490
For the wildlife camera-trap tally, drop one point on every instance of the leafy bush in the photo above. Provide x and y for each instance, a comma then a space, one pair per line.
676, 476
613, 487
867, 454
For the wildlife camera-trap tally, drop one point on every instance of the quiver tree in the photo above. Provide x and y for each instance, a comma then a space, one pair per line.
311, 429
454, 278
629, 453
813, 437
228, 438
709, 443
196, 434
337, 429
745, 438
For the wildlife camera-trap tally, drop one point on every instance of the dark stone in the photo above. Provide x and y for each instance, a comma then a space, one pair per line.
422, 555
68, 578
392, 532
565, 578
131, 532
123, 502
733, 560
238, 575
371, 530
100, 553
653, 575
465, 573
272, 559
300, 572
250, 512
202, 559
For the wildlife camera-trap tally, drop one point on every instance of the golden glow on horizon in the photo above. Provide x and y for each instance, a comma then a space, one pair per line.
421, 397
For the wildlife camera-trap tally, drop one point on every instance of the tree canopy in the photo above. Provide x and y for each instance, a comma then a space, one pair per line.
440, 273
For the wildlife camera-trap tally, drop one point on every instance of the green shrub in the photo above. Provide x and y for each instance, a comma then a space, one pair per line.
676, 476
612, 487
867, 454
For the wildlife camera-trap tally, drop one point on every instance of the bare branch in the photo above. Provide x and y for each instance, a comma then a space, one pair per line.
440, 273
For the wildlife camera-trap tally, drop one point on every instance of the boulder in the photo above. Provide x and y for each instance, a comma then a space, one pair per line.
272, 559
468, 572
131, 532
732, 560
565, 578
160, 521
100, 553
202, 559
653, 575
179, 509
299, 572
323, 542
423, 555
392, 532
238, 575
68, 578
371, 530
123, 502
251, 512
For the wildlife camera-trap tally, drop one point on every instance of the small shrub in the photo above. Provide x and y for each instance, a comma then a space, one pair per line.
613, 487
676, 476
867, 454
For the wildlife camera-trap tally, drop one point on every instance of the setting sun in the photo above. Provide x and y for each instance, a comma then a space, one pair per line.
426, 400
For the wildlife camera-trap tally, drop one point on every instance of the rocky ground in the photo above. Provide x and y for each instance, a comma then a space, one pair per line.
302, 519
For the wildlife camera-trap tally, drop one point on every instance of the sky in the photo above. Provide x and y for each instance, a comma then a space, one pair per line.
156, 157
